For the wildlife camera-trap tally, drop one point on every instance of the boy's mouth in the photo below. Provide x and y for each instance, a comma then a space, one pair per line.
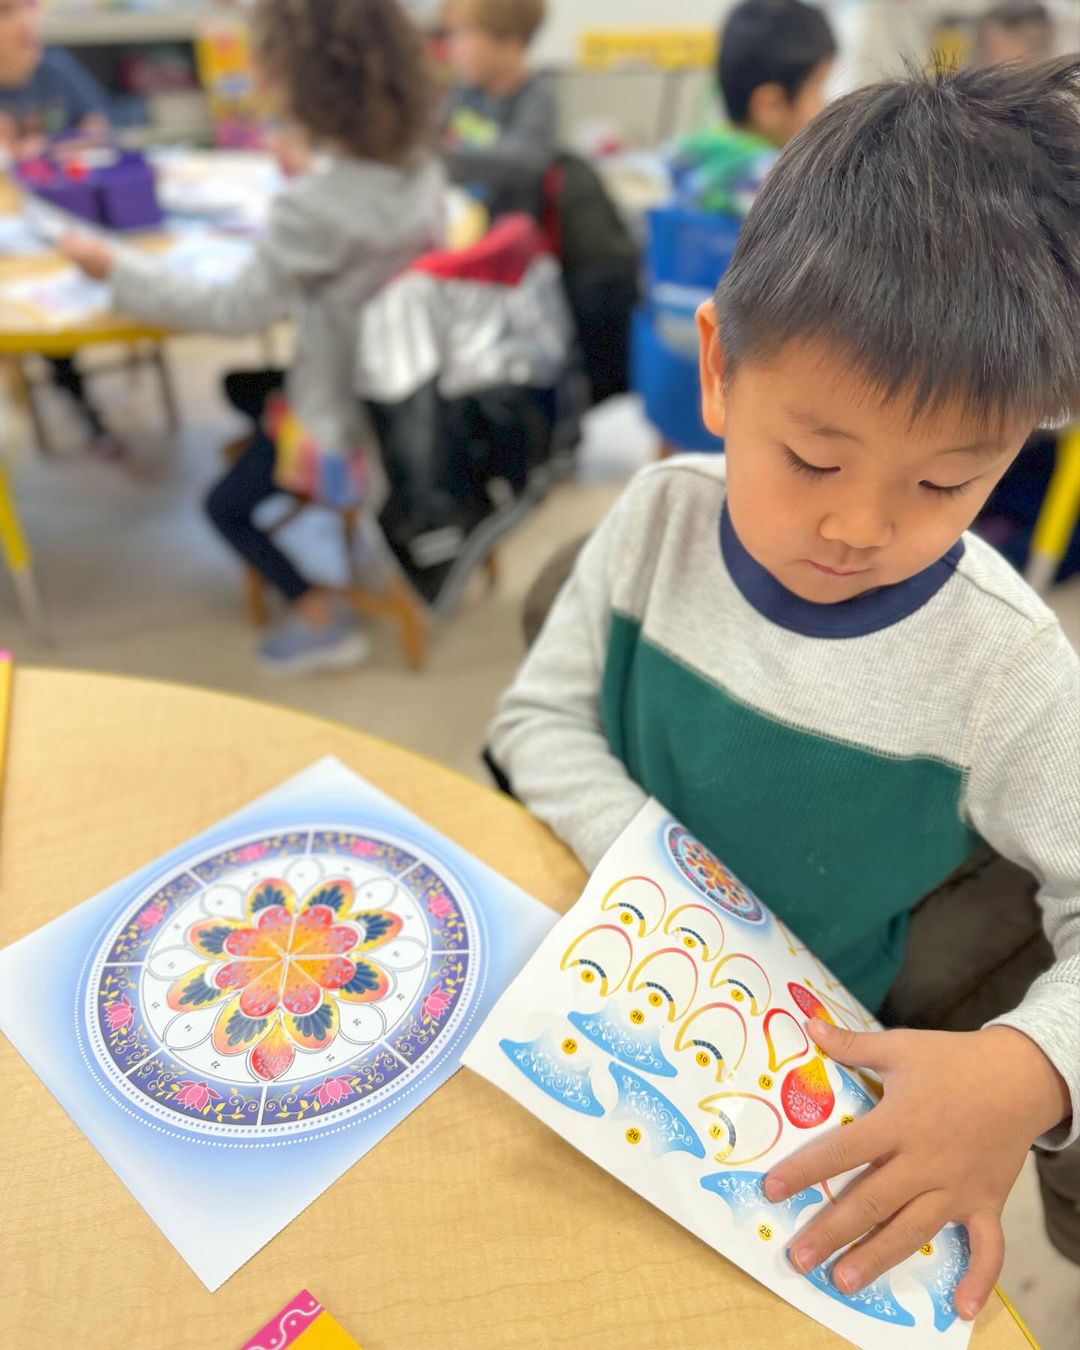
837, 571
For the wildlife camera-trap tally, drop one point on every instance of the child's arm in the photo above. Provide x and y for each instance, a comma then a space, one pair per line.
548, 737
294, 250
522, 153
961, 1110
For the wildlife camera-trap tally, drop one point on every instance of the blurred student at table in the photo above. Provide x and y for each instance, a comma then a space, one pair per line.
350, 74
498, 124
45, 93
774, 61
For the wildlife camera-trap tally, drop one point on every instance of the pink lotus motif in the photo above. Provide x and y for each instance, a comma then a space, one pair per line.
150, 916
250, 853
332, 1091
436, 1003
196, 1095
364, 848
439, 906
120, 1015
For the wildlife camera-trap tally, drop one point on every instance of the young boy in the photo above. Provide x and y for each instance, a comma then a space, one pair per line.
1018, 30
498, 124
809, 662
775, 57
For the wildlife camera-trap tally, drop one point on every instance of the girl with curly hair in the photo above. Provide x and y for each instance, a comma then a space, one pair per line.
349, 77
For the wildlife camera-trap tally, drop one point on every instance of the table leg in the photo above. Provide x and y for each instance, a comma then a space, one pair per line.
168, 393
16, 553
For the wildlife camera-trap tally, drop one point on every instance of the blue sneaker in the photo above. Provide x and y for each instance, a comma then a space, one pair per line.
296, 647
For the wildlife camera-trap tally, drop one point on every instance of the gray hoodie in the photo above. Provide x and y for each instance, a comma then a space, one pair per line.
335, 236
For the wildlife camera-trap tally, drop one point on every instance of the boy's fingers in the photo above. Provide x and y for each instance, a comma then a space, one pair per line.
907, 1231
865, 1049
870, 1201
984, 1266
832, 1155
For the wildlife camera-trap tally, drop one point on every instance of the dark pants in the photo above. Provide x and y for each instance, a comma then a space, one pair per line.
231, 505
248, 390
67, 376
975, 945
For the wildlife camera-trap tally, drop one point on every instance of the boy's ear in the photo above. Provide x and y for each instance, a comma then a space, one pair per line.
713, 393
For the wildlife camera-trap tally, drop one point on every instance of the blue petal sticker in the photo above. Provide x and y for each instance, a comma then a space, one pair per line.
551, 1073
635, 1049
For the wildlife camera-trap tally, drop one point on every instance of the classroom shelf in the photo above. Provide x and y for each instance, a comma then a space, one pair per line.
100, 28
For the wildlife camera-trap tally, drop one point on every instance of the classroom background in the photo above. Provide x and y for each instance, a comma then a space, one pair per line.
111, 564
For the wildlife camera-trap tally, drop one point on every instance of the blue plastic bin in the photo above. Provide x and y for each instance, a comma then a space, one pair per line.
668, 382
691, 248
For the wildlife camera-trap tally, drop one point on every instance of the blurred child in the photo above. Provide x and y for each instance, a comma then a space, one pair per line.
798, 648
44, 94
774, 61
1018, 30
498, 123
351, 75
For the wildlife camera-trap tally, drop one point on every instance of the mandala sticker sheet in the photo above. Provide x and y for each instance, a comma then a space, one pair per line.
236, 1024
661, 1029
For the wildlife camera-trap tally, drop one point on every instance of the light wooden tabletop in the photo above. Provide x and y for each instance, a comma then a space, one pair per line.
470, 1227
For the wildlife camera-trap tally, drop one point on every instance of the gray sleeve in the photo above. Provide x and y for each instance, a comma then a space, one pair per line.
298, 249
548, 737
524, 149
1023, 796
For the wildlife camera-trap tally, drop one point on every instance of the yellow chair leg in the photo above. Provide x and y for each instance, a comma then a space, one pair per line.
17, 554
1058, 515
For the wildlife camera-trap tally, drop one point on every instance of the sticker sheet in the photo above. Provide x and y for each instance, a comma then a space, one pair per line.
238, 1023
661, 1030
303, 1324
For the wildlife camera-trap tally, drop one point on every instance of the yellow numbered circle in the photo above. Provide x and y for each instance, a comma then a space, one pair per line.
626, 917
716, 1131
690, 942
764, 1232
633, 1135
927, 1250
587, 976
569, 1046
655, 999
737, 995
637, 1017
846, 1120
765, 1082
703, 1058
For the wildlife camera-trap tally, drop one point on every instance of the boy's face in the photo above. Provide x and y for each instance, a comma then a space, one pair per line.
479, 58
777, 117
1000, 42
20, 50
833, 491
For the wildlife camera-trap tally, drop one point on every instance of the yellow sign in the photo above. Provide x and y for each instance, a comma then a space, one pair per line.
651, 48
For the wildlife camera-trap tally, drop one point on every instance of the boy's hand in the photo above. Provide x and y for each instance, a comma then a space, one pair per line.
960, 1111
93, 257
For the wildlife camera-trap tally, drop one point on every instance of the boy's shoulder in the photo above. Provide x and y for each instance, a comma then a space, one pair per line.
986, 583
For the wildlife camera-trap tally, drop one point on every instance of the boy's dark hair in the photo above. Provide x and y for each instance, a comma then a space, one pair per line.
929, 229
352, 72
769, 42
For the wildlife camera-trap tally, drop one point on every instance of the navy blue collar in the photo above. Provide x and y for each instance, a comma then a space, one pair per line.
862, 614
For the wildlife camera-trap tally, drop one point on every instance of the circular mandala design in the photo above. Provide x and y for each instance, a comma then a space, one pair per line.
708, 875
281, 985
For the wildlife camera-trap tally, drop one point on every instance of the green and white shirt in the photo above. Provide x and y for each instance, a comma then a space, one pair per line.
841, 759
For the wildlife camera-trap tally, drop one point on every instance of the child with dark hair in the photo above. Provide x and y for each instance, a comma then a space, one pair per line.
351, 76
775, 57
799, 650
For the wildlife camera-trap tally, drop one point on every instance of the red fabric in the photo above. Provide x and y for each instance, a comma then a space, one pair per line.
501, 258
551, 217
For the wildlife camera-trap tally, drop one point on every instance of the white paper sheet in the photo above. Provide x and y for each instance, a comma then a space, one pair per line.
660, 1029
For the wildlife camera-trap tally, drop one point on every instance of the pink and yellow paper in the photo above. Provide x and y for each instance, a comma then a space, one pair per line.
303, 1324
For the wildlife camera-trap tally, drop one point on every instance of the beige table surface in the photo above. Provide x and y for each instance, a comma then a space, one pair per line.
470, 1227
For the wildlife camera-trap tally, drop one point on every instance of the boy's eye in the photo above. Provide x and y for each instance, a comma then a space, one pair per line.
801, 466
953, 490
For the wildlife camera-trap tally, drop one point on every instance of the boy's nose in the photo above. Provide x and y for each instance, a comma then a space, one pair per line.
858, 525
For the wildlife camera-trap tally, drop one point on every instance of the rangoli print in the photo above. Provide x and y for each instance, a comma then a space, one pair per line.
282, 982
254, 1011
662, 1030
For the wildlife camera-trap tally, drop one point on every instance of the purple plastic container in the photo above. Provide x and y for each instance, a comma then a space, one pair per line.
119, 195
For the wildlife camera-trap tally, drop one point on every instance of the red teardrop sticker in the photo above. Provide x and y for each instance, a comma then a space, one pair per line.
807, 1095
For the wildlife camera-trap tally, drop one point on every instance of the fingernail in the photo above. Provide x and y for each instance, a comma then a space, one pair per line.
803, 1259
846, 1279
967, 1311
774, 1190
